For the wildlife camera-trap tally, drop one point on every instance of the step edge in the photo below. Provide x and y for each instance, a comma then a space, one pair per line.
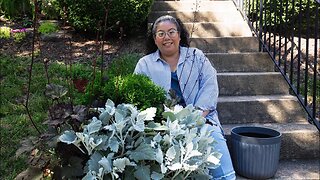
259, 98
236, 53
248, 73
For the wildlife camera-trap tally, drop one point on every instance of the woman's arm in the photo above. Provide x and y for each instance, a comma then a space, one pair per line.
207, 95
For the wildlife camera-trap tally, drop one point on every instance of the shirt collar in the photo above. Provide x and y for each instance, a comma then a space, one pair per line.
185, 52
156, 55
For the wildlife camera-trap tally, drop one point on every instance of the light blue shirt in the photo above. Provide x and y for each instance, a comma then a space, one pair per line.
197, 78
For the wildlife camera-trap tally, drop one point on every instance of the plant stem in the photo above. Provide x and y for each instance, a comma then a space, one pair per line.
45, 62
30, 69
176, 174
106, 9
187, 174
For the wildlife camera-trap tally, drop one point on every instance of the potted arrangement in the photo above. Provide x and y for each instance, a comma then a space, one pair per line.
81, 75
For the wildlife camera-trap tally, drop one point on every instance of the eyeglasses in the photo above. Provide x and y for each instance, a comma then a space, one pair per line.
172, 33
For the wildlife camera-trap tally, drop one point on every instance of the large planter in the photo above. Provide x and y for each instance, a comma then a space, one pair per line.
255, 151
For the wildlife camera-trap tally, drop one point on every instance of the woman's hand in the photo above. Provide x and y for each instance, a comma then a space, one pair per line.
205, 113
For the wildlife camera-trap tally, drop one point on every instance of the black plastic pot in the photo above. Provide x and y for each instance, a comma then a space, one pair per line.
255, 151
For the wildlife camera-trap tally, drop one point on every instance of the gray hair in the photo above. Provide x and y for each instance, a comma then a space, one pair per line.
163, 19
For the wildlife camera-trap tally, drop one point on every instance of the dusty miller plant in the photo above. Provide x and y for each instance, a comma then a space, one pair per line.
123, 141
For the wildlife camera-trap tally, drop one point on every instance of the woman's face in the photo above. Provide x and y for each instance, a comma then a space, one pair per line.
167, 38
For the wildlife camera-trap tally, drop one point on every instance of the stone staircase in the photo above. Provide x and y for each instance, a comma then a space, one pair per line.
251, 91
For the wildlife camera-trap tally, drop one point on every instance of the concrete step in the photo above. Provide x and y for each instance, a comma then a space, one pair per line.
303, 169
191, 0
245, 84
298, 169
218, 29
259, 109
298, 140
193, 6
226, 44
241, 62
203, 16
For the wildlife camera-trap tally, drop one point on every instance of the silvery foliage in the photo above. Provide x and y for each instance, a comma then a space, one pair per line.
123, 138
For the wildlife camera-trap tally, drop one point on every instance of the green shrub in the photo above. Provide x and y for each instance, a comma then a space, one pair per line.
88, 15
5, 32
51, 9
81, 71
19, 36
123, 65
16, 8
78, 70
47, 28
272, 20
135, 89
120, 66
94, 90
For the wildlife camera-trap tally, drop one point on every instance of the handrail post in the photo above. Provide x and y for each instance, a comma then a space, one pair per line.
271, 22
260, 25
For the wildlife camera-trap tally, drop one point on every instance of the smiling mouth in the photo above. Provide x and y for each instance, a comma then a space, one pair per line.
167, 43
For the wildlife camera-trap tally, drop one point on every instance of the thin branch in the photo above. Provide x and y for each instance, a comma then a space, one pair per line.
31, 66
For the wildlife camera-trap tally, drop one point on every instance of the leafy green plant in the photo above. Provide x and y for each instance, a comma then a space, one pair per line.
16, 8
123, 141
45, 151
27, 22
123, 65
47, 28
19, 36
51, 9
5, 32
81, 71
277, 14
135, 89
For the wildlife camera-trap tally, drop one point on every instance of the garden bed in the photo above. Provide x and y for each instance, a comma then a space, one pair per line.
83, 47
15, 61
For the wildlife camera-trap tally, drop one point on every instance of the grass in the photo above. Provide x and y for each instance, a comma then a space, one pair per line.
47, 28
15, 124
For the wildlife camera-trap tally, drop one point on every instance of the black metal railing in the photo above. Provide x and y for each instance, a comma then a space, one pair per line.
289, 31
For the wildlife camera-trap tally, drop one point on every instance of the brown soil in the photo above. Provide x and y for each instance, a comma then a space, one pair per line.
68, 44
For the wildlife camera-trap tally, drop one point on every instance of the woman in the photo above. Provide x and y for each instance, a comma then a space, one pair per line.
172, 64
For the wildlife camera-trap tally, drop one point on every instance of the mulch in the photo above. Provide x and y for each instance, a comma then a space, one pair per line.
69, 45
